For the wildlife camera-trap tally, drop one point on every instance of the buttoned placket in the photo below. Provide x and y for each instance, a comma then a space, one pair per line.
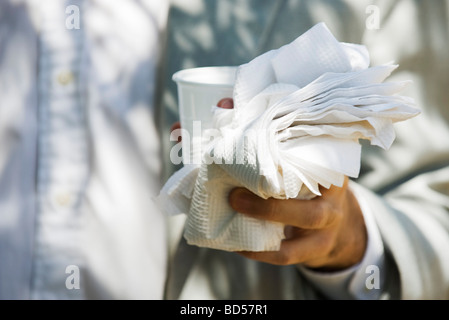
62, 153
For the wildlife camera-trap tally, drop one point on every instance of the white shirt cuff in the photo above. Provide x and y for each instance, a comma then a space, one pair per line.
363, 281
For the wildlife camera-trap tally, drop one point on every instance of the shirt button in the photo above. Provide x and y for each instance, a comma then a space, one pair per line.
65, 78
63, 199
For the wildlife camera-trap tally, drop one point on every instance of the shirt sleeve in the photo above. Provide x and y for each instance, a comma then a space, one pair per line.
362, 281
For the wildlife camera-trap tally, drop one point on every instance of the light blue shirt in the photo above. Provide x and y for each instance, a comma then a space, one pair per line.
80, 159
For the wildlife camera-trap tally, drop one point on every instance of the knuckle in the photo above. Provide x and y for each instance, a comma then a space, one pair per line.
326, 244
270, 208
323, 216
284, 258
288, 255
318, 218
335, 215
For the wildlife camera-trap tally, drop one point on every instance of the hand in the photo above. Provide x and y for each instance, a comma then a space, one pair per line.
326, 233
225, 103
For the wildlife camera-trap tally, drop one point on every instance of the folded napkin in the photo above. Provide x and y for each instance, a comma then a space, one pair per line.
299, 113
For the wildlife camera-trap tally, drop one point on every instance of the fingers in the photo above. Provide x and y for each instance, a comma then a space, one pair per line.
226, 103
327, 232
176, 126
306, 249
308, 214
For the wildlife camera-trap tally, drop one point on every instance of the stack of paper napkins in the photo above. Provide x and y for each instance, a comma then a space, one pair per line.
299, 112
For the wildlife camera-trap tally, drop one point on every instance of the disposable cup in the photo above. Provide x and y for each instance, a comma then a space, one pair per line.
199, 90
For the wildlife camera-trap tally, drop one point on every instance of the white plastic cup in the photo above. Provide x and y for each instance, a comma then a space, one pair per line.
199, 90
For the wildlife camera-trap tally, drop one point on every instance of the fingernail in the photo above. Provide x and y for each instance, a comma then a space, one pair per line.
226, 103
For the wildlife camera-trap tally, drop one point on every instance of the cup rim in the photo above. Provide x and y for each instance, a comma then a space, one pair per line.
182, 76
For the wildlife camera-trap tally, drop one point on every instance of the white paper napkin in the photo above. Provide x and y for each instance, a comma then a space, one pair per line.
299, 112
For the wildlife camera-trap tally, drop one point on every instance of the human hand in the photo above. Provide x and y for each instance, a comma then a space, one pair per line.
326, 233
225, 103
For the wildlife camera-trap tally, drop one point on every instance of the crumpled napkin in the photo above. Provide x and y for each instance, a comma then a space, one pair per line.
299, 112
